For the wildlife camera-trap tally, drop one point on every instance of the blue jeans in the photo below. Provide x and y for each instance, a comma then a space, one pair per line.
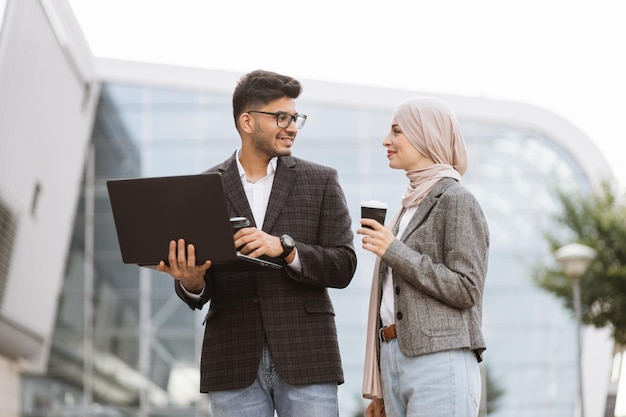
270, 393
441, 384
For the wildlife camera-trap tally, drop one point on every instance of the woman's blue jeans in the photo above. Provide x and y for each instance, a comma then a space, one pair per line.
441, 384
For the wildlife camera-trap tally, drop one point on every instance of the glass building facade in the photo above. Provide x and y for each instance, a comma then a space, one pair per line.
121, 329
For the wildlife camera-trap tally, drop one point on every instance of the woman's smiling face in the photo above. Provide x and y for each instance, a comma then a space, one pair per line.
401, 153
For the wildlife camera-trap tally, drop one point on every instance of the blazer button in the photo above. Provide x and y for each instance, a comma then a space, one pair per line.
397, 290
399, 315
255, 300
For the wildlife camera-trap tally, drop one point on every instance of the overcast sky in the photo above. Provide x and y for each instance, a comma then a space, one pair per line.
564, 56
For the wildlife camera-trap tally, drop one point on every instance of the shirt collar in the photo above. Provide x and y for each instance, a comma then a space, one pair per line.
271, 167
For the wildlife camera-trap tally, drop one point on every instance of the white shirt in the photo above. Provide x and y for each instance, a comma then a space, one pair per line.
387, 313
258, 195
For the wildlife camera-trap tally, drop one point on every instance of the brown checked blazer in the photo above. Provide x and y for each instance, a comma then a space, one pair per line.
439, 266
290, 311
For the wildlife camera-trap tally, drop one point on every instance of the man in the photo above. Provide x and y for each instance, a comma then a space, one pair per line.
270, 340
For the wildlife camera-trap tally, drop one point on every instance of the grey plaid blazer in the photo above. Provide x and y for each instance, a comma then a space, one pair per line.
439, 266
290, 311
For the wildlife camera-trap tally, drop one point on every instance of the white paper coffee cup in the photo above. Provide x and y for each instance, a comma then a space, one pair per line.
374, 209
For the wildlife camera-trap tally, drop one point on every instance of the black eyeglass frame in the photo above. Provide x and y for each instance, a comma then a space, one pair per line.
292, 118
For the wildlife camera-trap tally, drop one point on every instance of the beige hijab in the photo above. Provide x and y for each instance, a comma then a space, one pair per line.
432, 128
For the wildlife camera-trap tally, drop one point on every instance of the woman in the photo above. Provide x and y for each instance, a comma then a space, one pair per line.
424, 329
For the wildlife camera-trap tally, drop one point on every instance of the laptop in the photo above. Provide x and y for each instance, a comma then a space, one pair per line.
150, 212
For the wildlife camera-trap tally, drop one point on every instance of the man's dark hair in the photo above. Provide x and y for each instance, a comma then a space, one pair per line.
257, 88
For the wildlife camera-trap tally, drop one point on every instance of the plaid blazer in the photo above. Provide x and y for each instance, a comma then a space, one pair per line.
291, 312
439, 266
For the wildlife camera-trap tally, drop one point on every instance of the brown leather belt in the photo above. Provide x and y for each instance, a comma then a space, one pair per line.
388, 333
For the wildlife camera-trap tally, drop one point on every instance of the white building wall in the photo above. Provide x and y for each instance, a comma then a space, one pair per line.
47, 103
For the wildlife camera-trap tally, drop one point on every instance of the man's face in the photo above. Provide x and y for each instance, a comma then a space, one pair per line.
267, 137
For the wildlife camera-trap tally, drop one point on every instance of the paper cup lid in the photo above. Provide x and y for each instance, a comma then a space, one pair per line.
374, 204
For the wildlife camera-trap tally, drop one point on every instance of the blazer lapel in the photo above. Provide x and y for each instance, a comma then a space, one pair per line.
426, 206
235, 194
283, 181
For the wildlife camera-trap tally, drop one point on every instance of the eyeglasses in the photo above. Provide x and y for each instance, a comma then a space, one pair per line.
284, 119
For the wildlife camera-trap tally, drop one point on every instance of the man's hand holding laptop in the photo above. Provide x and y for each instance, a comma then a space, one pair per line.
182, 266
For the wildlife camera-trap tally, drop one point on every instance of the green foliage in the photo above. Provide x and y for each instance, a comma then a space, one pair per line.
598, 220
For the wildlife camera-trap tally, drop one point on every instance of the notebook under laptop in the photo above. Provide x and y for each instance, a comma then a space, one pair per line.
150, 212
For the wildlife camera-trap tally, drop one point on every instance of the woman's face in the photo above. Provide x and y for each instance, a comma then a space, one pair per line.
400, 152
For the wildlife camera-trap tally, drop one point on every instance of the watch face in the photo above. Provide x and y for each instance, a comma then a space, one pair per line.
288, 245
288, 241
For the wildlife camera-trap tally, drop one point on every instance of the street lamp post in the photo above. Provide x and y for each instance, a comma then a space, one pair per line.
575, 259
